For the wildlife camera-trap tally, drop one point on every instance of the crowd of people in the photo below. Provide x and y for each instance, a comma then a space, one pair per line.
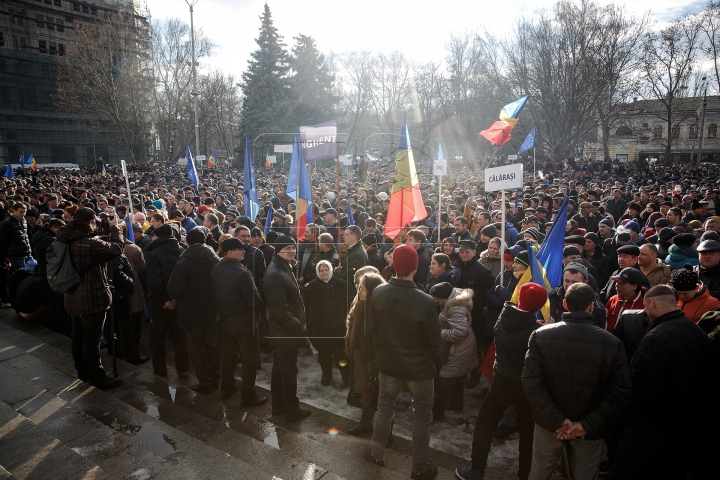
611, 379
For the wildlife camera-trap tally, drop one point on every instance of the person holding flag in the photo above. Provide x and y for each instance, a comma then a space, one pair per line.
22, 159
32, 162
250, 197
512, 333
192, 173
211, 161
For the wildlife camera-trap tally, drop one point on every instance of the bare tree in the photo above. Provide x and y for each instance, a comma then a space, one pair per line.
668, 59
219, 109
428, 90
391, 91
106, 78
354, 80
710, 27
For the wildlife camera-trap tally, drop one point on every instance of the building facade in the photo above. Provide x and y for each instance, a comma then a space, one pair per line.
643, 134
33, 34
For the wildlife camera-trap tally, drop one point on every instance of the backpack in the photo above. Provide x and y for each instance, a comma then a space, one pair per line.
61, 274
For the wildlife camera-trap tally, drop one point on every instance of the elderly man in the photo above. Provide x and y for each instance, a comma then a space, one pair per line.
356, 256
708, 270
627, 256
656, 271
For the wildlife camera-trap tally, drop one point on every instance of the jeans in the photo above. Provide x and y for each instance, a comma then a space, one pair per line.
422, 401
283, 380
246, 347
87, 332
585, 455
501, 394
204, 352
164, 321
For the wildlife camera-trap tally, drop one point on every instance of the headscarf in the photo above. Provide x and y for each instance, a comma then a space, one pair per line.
317, 269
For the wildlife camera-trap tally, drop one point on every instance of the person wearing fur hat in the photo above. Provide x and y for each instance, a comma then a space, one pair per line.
682, 251
408, 340
458, 344
286, 329
694, 298
512, 332
325, 300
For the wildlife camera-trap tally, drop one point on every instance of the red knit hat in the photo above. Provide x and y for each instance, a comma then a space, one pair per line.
532, 297
405, 259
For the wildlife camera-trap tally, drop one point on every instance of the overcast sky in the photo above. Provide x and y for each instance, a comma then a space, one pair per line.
420, 28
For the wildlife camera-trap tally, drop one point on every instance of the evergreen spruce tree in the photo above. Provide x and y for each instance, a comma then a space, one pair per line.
267, 97
312, 84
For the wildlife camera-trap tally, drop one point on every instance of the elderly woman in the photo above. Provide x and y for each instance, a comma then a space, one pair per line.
441, 270
359, 347
459, 345
324, 300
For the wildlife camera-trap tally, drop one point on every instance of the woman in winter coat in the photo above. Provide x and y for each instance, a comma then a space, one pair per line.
325, 300
683, 251
359, 342
490, 258
456, 333
441, 270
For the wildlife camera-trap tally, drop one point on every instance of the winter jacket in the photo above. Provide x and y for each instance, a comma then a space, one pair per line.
660, 274
590, 224
576, 370
39, 243
701, 303
631, 327
425, 254
376, 259
616, 208
284, 307
236, 296
680, 255
491, 263
13, 238
512, 333
616, 305
610, 288
668, 373
137, 261
355, 260
255, 262
479, 279
331, 256
325, 310
456, 330
662, 248
307, 260
710, 277
557, 309
89, 255
408, 331
601, 265
360, 344
451, 276
190, 286
160, 259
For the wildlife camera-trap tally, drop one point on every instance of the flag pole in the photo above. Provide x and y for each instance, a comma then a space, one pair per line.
534, 171
502, 237
439, 205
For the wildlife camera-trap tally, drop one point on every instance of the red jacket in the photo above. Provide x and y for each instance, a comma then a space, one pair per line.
616, 305
702, 302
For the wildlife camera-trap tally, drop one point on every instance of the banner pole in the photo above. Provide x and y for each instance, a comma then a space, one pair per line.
502, 237
439, 205
534, 171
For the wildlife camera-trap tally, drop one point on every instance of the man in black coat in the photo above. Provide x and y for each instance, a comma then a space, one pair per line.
627, 256
189, 286
417, 239
669, 381
14, 243
512, 332
160, 259
240, 307
709, 269
356, 259
576, 379
286, 329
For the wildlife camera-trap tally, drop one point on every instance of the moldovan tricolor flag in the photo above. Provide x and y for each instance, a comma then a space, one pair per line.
299, 188
499, 132
406, 202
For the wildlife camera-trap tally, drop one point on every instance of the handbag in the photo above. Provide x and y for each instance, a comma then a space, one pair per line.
354, 399
370, 393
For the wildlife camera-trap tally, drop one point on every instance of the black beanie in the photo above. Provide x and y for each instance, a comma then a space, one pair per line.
283, 241
489, 231
195, 236
441, 290
684, 279
163, 231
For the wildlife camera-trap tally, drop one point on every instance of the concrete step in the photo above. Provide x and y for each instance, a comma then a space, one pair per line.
147, 403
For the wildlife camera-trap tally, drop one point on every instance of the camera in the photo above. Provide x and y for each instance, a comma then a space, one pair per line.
105, 222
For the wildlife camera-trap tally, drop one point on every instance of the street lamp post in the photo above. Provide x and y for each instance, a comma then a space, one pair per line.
194, 73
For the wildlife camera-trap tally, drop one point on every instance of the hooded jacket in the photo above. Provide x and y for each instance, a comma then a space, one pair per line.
89, 255
680, 255
190, 286
456, 330
512, 332
13, 238
236, 296
700, 304
576, 370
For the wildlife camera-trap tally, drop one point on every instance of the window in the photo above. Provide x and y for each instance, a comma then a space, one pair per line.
49, 2
59, 25
69, 20
693, 132
61, 49
15, 43
85, 9
676, 132
50, 23
2, 39
42, 46
39, 20
657, 131
15, 17
53, 48
3, 65
23, 46
623, 131
93, 11
712, 131
57, 3
76, 7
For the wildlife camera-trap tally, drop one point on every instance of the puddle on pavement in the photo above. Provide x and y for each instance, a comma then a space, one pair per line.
269, 435
153, 411
173, 392
154, 440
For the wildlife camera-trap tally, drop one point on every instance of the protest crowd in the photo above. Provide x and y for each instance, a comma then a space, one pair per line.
610, 372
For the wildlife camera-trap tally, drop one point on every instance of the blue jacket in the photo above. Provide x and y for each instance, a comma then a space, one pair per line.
680, 255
